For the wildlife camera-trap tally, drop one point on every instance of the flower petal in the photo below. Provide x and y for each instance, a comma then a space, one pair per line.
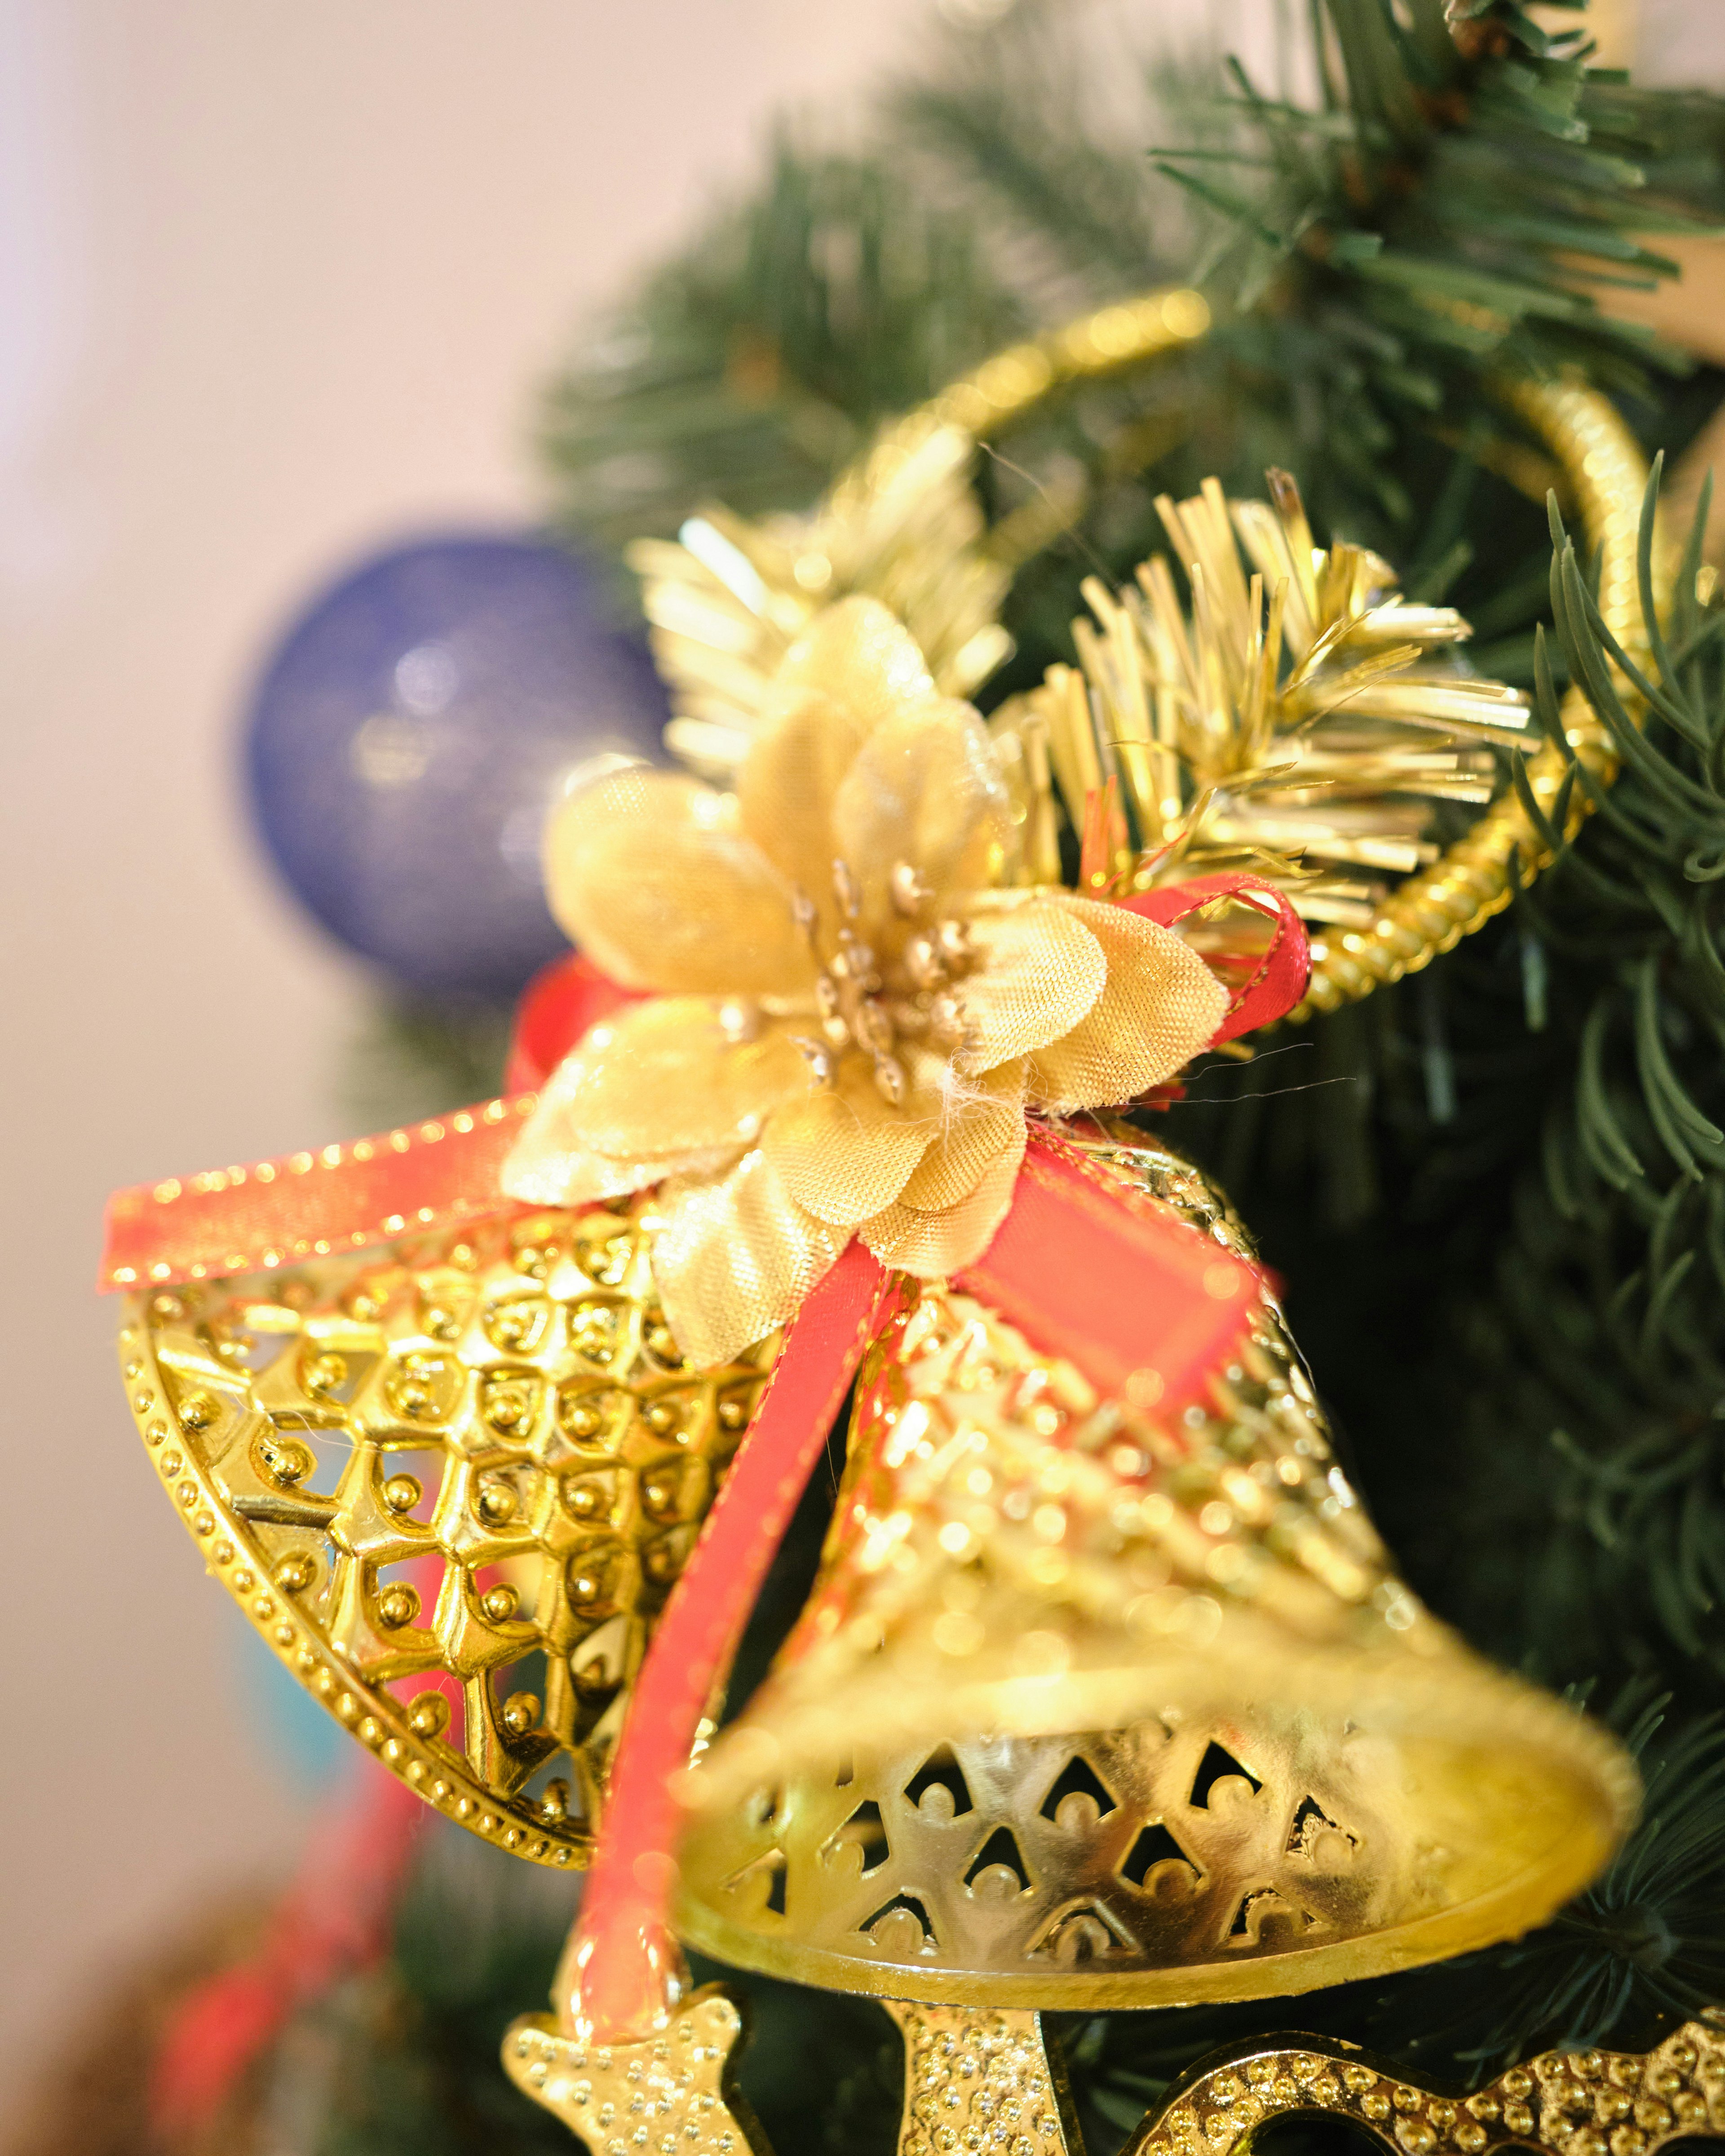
735, 1258
653, 876
542, 1169
859, 655
786, 788
1161, 1006
934, 1245
985, 1119
925, 789
660, 1079
842, 1153
1038, 974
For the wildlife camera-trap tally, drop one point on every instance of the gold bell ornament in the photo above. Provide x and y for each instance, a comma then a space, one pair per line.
1109, 1699
1106, 1693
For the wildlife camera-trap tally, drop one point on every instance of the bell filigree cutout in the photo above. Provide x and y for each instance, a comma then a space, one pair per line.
1089, 1707
451, 1483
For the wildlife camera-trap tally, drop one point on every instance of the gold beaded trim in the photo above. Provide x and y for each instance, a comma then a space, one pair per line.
1581, 2103
359, 1153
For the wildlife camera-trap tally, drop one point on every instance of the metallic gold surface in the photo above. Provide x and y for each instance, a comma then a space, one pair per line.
1303, 738
474, 1461
727, 598
986, 2079
1581, 2103
1087, 1709
672, 2094
977, 2080
1311, 763
1431, 911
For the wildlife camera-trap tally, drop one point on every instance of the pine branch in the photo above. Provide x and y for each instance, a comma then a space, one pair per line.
753, 366
1013, 121
1606, 1331
1454, 210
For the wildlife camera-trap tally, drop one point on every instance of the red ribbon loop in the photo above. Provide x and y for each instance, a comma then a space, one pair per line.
437, 1174
1278, 980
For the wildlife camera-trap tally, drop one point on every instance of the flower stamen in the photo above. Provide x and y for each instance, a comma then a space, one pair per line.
946, 1020
890, 1079
907, 890
952, 940
739, 1020
830, 1004
923, 963
873, 1027
846, 889
855, 962
823, 1064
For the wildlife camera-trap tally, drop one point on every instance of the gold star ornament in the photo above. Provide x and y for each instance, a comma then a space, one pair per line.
671, 2093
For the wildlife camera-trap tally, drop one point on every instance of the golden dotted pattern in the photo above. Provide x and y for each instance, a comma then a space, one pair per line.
977, 2081
464, 1468
1574, 2103
670, 2094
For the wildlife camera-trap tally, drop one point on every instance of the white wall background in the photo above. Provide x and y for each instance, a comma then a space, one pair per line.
277, 277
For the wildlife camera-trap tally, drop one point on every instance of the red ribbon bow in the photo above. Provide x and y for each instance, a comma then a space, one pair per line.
1143, 1305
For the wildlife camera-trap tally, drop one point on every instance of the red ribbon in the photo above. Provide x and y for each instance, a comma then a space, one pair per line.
273, 1213
1086, 1272
437, 1174
618, 1969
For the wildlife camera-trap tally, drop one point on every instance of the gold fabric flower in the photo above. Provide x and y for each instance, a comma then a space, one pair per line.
853, 1008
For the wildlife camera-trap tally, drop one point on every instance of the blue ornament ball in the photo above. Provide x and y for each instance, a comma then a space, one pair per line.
413, 730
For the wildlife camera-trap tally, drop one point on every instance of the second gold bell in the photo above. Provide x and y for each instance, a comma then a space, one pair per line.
1090, 1707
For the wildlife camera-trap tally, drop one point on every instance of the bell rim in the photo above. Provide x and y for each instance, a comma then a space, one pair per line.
1474, 1706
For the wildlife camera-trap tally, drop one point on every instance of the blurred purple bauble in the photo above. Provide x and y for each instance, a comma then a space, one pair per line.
412, 730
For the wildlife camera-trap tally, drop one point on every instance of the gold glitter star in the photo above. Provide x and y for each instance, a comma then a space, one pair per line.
671, 2094
977, 2079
